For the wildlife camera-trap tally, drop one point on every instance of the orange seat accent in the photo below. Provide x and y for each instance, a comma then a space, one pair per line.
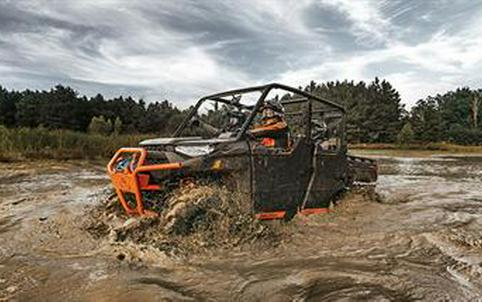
268, 142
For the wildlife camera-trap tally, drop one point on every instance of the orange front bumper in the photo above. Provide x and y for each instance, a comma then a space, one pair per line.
135, 178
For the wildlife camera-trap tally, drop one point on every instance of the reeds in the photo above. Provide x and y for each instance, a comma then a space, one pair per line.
42, 143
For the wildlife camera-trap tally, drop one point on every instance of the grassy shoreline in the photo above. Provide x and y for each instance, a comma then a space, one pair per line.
415, 150
18, 144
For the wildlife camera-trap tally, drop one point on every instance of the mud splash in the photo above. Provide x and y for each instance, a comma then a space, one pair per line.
195, 220
421, 241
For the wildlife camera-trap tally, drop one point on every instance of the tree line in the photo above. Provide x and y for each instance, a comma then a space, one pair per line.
452, 117
62, 108
375, 113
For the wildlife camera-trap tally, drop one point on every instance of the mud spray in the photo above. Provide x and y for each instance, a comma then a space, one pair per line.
196, 219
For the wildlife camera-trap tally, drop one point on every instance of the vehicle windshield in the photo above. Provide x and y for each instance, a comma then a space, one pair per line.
220, 116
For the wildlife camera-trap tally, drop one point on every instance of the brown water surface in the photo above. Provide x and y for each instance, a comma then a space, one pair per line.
422, 241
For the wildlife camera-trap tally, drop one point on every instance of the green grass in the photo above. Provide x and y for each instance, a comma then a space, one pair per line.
41, 143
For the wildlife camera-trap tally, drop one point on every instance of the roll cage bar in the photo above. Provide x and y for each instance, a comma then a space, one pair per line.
265, 89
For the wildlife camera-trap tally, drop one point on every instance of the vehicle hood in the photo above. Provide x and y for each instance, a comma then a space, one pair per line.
190, 141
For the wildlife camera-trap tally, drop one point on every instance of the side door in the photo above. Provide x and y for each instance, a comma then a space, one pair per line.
330, 162
280, 178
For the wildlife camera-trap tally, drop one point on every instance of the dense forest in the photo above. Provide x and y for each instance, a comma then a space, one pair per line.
375, 113
62, 108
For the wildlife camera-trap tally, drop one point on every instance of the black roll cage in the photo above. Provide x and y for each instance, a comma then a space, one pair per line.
265, 89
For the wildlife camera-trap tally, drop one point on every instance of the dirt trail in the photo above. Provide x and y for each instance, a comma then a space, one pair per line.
423, 240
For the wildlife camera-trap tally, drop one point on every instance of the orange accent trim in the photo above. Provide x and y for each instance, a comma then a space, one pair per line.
124, 182
151, 188
143, 180
275, 126
270, 215
268, 142
130, 181
168, 166
312, 211
114, 159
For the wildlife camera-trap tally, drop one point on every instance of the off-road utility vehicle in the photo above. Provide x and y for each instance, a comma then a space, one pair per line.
281, 148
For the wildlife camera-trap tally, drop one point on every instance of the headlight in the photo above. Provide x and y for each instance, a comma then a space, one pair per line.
193, 151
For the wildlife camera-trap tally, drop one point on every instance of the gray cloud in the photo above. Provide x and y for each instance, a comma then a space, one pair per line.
169, 49
416, 21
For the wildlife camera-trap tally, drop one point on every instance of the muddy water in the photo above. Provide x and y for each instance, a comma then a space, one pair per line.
421, 241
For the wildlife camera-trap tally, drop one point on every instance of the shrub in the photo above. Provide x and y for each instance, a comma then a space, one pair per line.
117, 126
406, 135
99, 125
465, 136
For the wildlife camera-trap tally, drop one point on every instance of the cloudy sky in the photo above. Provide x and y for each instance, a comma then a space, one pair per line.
183, 49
